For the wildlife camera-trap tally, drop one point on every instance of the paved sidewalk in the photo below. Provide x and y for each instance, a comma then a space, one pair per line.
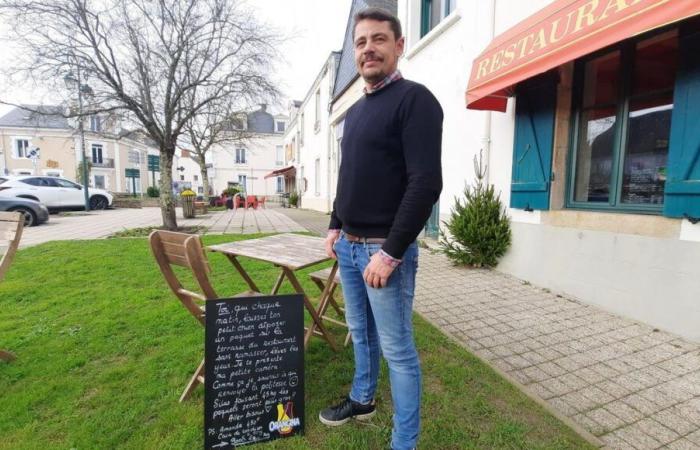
624, 382
630, 385
314, 221
100, 224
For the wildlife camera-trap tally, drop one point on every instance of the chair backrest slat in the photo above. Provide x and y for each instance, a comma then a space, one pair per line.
186, 250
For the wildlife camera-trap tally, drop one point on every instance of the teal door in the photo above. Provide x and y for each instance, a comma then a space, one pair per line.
432, 226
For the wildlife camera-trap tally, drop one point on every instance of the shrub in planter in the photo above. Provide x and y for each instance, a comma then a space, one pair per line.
231, 191
153, 192
479, 229
294, 199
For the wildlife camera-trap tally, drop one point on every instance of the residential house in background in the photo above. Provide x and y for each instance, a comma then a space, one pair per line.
118, 158
248, 162
308, 136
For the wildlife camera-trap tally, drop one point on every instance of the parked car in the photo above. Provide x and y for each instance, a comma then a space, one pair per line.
34, 212
55, 193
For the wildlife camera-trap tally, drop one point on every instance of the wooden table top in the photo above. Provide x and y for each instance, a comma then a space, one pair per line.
292, 251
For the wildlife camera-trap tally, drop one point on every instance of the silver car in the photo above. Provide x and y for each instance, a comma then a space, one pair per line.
34, 212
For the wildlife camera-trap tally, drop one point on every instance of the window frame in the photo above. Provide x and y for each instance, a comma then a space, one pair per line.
93, 146
95, 123
317, 177
240, 156
446, 8
279, 155
317, 111
15, 153
620, 138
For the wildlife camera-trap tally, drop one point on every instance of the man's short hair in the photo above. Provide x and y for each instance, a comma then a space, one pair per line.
381, 15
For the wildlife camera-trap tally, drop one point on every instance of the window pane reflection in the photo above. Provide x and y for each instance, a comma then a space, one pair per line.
649, 126
594, 158
601, 80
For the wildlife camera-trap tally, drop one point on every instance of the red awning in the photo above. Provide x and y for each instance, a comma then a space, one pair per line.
561, 32
286, 171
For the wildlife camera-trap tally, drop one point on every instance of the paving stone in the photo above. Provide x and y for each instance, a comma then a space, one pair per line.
615, 441
672, 419
657, 431
624, 411
638, 438
536, 374
597, 395
563, 407
694, 437
579, 402
682, 444
690, 410
662, 398
557, 387
606, 420
590, 375
541, 391
641, 404
517, 361
573, 381
589, 424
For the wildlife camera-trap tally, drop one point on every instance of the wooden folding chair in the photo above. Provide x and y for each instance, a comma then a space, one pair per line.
185, 250
11, 225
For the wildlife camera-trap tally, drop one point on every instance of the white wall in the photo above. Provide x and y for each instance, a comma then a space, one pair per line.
315, 143
260, 161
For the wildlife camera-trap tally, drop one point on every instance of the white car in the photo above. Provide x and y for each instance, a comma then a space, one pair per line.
55, 193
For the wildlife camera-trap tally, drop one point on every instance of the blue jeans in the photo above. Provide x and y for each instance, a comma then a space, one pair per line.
382, 318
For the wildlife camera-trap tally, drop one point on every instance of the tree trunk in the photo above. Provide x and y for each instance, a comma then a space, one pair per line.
167, 200
205, 179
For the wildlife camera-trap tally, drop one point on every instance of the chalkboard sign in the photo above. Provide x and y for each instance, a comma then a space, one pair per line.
254, 370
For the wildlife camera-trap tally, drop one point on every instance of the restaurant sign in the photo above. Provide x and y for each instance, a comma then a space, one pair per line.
564, 27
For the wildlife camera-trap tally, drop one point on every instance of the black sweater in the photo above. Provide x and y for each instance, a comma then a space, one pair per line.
390, 172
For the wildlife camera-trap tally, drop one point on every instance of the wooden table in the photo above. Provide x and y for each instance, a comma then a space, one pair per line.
290, 253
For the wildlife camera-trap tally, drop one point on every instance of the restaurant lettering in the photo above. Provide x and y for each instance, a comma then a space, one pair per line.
567, 24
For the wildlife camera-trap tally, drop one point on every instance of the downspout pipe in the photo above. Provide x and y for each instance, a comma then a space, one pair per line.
486, 134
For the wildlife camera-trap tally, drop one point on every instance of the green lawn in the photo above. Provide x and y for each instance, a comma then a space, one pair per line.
104, 350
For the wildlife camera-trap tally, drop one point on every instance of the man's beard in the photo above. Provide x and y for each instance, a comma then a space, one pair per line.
374, 77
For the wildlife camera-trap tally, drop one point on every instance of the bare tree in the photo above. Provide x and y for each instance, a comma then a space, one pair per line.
161, 61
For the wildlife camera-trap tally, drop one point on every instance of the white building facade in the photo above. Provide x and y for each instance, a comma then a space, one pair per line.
308, 140
595, 213
247, 163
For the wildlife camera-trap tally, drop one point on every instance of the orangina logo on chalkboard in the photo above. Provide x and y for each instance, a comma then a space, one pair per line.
286, 421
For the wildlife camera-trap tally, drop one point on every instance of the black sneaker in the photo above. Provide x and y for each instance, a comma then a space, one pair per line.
346, 410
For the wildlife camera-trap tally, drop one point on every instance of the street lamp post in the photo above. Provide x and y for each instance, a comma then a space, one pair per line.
73, 83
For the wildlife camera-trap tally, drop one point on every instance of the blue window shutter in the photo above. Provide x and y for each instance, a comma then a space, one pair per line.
536, 101
682, 191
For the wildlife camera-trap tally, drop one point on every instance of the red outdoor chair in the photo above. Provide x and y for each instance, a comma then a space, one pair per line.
251, 200
238, 202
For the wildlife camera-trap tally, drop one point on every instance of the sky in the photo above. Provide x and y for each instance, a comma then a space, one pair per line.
311, 30
317, 27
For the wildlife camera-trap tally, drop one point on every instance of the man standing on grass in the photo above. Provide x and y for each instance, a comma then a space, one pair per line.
390, 177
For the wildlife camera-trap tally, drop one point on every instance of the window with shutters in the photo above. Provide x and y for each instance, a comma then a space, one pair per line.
623, 104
